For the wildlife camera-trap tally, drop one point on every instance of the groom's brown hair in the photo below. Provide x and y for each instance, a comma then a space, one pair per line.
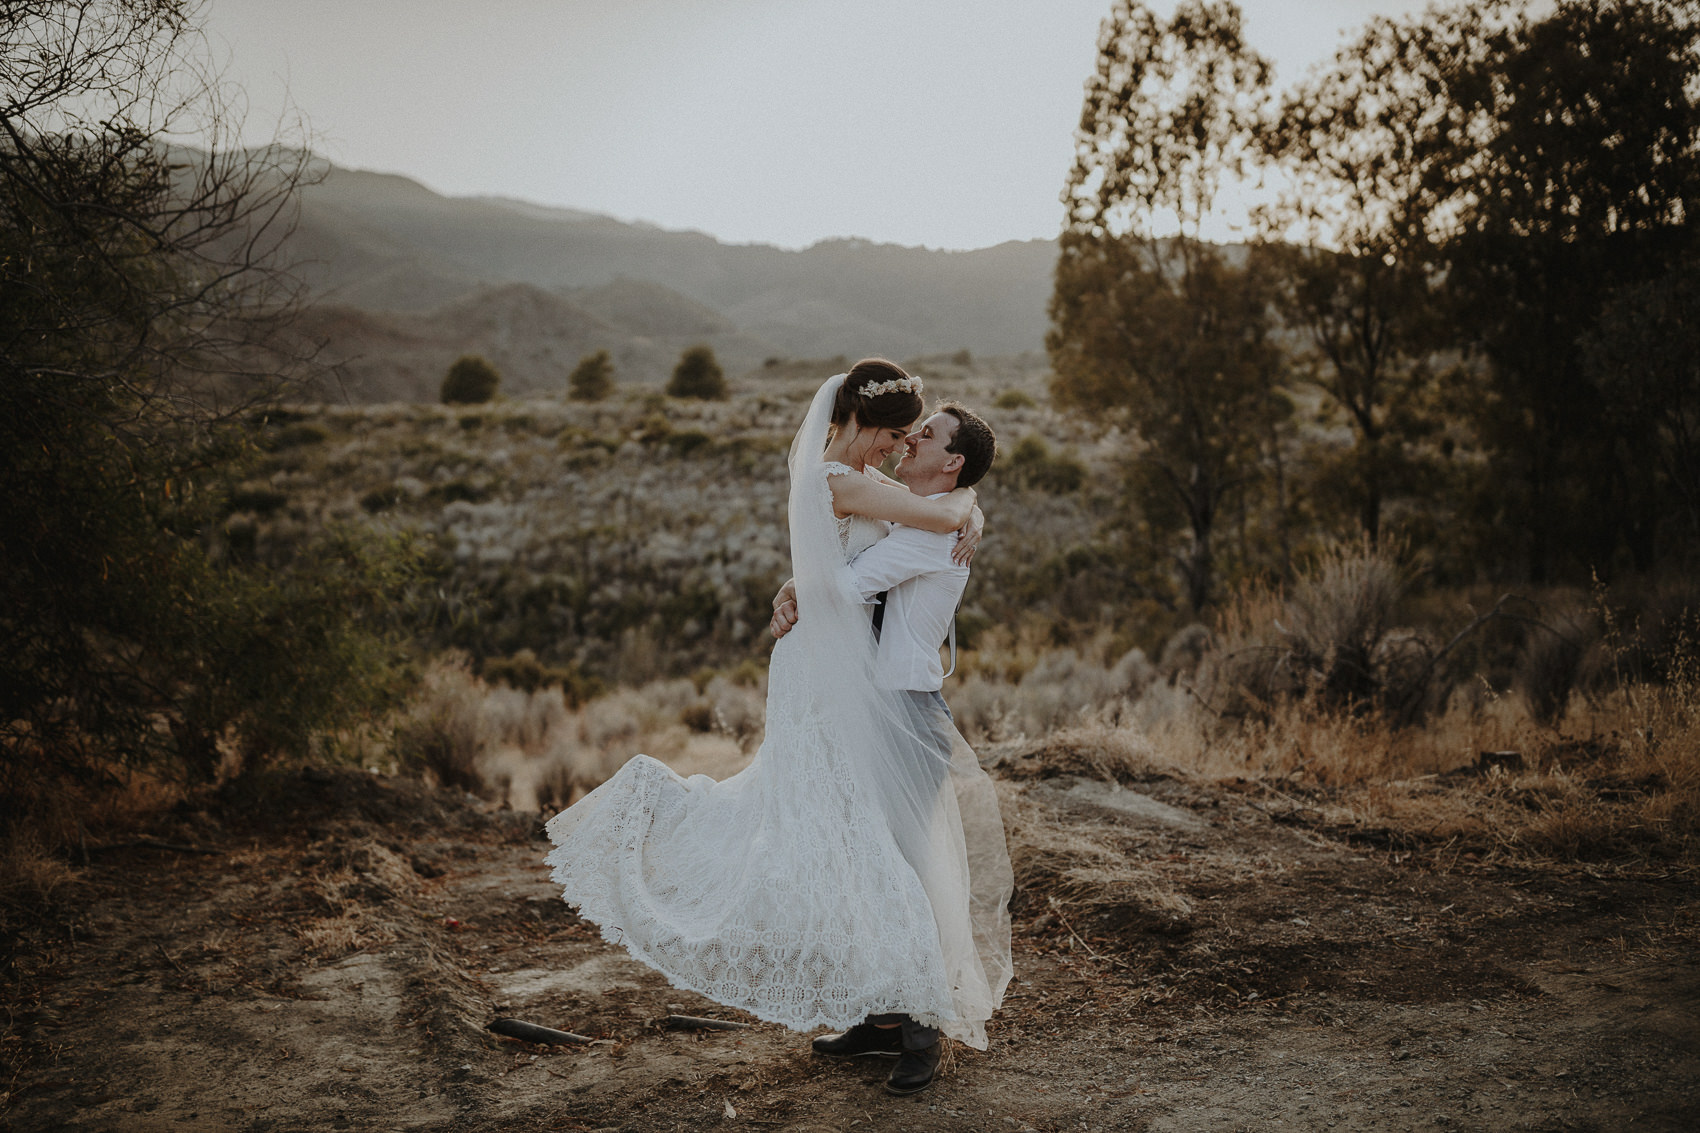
974, 441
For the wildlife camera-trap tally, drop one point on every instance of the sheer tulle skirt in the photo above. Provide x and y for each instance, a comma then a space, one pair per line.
781, 890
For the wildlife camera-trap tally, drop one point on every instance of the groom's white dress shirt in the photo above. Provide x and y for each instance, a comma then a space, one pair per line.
922, 588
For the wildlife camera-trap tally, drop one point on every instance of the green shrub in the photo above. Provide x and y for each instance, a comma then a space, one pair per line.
470, 381
1032, 465
688, 441
525, 672
1014, 399
698, 375
654, 428
293, 436
458, 490
380, 499
748, 673
592, 379
258, 499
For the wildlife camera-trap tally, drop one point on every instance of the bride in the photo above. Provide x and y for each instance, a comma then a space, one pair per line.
853, 869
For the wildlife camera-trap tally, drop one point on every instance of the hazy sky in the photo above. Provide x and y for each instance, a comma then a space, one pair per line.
946, 123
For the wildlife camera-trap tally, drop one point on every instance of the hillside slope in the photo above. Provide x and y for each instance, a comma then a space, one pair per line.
375, 246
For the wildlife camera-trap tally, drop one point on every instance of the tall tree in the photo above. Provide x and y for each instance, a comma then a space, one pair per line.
1350, 251
141, 301
1153, 327
1568, 168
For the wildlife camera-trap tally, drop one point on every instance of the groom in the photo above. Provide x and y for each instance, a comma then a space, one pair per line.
916, 587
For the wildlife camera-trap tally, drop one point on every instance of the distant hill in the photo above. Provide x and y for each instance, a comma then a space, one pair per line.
405, 280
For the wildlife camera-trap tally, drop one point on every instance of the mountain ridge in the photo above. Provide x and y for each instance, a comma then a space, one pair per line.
404, 279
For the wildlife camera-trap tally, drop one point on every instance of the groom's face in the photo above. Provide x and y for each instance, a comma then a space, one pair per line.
924, 449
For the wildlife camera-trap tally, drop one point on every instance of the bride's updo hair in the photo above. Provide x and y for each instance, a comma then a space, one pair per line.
893, 409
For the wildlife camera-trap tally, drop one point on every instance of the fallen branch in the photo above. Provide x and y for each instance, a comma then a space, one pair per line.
532, 1033
152, 844
694, 1023
169, 960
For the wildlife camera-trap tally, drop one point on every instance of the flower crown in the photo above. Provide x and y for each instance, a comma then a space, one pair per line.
892, 385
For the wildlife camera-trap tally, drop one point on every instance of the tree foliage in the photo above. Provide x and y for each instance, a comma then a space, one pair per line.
1351, 257
592, 379
1644, 357
1474, 257
471, 380
1152, 327
1568, 168
142, 301
699, 375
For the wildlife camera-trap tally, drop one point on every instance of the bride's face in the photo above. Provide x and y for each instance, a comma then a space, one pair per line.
874, 445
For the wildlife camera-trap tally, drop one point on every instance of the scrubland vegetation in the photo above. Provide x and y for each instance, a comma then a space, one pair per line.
600, 577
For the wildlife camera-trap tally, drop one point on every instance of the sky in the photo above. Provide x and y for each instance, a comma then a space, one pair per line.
940, 123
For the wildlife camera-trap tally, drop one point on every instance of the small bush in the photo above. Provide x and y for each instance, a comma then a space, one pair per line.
1550, 662
470, 381
1032, 465
458, 490
1330, 641
380, 499
698, 375
592, 379
258, 499
1014, 399
698, 717
294, 436
687, 442
525, 672
749, 673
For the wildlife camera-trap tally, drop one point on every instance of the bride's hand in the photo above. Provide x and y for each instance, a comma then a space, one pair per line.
963, 499
968, 538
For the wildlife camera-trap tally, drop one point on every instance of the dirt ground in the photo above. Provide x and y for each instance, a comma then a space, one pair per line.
331, 959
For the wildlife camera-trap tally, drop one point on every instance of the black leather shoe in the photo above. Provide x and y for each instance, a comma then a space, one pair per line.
914, 1071
863, 1038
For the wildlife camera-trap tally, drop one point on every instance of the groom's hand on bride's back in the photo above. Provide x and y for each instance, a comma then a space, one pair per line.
784, 609
784, 617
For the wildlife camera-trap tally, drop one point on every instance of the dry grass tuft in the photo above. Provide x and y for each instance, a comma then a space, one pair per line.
32, 876
1087, 866
1097, 751
331, 938
531, 751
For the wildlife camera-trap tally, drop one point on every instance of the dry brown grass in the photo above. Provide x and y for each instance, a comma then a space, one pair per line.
531, 751
1083, 864
1618, 775
31, 873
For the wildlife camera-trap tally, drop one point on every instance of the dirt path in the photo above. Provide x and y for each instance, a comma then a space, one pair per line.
334, 964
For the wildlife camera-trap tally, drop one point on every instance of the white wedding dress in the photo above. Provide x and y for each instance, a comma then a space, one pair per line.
849, 870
